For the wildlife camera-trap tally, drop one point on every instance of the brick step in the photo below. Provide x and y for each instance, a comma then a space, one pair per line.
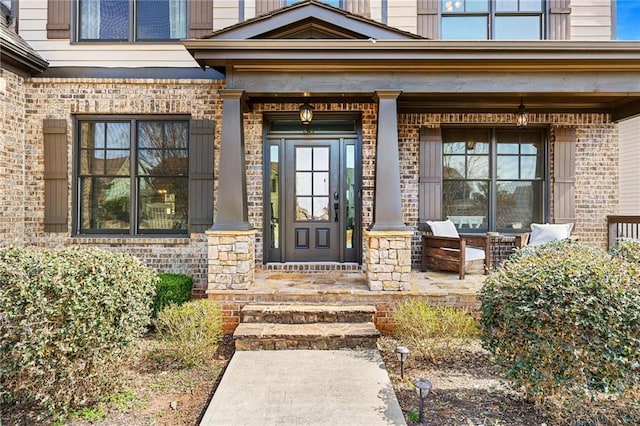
268, 336
307, 314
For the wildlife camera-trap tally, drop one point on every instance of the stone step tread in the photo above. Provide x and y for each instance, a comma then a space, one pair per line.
298, 308
317, 330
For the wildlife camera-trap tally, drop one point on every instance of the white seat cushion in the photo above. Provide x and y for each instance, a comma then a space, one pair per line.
443, 228
541, 234
471, 253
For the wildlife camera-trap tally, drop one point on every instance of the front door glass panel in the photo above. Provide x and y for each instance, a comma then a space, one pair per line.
350, 195
312, 184
274, 196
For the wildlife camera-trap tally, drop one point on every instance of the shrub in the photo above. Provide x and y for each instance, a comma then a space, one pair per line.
628, 250
192, 330
563, 317
64, 316
432, 331
172, 288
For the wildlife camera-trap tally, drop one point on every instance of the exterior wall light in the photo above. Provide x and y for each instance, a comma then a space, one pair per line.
402, 352
306, 113
521, 116
423, 386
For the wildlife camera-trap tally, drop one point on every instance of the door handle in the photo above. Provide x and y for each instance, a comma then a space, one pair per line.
336, 208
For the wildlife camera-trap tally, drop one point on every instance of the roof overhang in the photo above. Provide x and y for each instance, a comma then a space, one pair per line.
322, 53
17, 55
415, 55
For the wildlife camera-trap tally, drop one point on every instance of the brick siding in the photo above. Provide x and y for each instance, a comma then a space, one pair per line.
25, 103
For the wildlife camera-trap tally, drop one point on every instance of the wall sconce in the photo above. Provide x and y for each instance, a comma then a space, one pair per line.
521, 116
470, 145
423, 386
306, 113
402, 352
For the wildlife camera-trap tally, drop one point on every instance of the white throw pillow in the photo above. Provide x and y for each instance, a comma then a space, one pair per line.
541, 234
443, 228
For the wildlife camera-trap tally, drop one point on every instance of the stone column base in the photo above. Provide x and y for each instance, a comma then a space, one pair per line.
388, 260
231, 259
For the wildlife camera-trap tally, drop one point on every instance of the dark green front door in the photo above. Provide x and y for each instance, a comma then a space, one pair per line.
314, 203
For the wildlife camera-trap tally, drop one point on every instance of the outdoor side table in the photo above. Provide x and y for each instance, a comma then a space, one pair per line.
501, 247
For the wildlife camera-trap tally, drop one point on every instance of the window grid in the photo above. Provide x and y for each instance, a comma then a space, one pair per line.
116, 194
491, 202
481, 16
131, 20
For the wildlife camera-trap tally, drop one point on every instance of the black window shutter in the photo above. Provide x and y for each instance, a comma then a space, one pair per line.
58, 19
265, 6
201, 175
564, 175
560, 19
428, 19
359, 7
200, 17
56, 177
430, 186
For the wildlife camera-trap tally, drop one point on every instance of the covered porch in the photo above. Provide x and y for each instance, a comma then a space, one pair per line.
402, 90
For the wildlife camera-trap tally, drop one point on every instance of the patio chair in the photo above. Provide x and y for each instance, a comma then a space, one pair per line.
444, 249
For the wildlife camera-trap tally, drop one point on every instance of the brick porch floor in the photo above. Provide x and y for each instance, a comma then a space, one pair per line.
346, 288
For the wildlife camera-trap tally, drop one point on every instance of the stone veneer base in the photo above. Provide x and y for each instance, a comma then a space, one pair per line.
231, 256
388, 260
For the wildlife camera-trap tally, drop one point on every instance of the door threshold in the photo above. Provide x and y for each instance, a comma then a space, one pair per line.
311, 267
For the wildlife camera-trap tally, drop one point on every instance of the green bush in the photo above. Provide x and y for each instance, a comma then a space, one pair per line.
628, 250
432, 331
65, 315
192, 331
172, 288
563, 317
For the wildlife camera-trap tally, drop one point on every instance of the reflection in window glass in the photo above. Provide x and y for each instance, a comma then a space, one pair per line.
466, 203
161, 19
312, 183
459, 6
156, 196
518, 204
517, 28
275, 194
477, 197
350, 195
111, 20
465, 28
105, 203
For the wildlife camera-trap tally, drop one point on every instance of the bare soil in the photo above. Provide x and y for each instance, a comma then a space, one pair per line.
466, 391
153, 392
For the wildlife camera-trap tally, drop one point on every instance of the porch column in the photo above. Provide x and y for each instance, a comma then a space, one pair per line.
387, 214
231, 240
232, 176
388, 242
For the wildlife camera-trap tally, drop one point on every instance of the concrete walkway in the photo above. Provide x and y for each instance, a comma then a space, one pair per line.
305, 387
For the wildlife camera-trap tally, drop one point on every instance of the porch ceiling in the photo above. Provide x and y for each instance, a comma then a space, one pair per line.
435, 76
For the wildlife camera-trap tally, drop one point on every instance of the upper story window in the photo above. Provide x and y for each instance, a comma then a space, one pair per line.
132, 20
492, 19
334, 3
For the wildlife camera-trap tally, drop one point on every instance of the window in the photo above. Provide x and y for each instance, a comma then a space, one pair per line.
492, 19
132, 20
493, 179
334, 3
133, 176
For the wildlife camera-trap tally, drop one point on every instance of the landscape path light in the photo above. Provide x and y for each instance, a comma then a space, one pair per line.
402, 352
423, 386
